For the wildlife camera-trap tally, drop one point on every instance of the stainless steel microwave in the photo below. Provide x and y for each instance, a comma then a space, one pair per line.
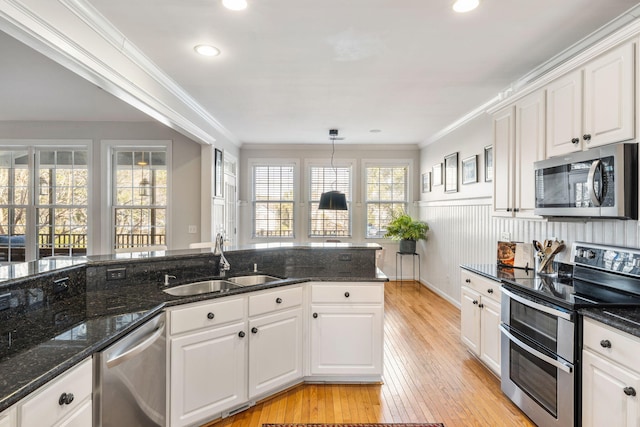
600, 182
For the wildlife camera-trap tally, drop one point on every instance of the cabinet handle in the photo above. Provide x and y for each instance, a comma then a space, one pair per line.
481, 305
629, 391
605, 343
475, 302
467, 280
67, 398
254, 330
241, 334
508, 209
490, 290
210, 315
278, 300
315, 315
586, 136
346, 294
575, 140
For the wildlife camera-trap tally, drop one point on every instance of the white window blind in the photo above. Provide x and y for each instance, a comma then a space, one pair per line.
329, 223
273, 201
387, 195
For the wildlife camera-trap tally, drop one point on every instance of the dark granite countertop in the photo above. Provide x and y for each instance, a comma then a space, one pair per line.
60, 332
626, 319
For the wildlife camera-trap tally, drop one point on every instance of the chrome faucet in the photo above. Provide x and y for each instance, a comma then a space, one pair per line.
217, 250
166, 279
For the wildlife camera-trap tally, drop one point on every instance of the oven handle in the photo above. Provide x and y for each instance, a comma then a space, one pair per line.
566, 367
535, 305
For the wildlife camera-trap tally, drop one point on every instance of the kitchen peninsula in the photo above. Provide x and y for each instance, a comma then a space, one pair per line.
56, 313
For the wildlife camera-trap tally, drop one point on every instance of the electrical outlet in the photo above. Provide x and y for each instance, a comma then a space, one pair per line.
116, 273
505, 236
193, 229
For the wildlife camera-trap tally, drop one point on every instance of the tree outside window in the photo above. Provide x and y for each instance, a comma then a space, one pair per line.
329, 223
273, 201
387, 196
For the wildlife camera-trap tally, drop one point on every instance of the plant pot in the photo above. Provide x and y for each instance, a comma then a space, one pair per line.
407, 247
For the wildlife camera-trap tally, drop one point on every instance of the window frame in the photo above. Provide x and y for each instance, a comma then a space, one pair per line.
271, 162
385, 163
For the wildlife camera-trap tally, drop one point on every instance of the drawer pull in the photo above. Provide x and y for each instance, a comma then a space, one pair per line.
254, 330
67, 398
629, 391
605, 343
315, 315
241, 334
210, 316
490, 290
278, 300
346, 294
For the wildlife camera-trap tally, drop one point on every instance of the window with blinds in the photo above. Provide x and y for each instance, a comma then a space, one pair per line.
329, 223
386, 196
273, 201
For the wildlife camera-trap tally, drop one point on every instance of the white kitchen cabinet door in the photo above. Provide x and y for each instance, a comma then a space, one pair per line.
208, 373
346, 340
564, 114
81, 417
275, 351
529, 148
470, 319
604, 401
609, 99
490, 334
503, 158
8, 417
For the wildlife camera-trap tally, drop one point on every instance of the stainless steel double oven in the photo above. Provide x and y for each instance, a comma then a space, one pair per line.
538, 358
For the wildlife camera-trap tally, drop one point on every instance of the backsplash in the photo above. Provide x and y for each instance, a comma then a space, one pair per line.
466, 232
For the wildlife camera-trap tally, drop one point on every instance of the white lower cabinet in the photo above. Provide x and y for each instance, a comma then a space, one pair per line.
8, 417
610, 377
480, 318
346, 329
65, 401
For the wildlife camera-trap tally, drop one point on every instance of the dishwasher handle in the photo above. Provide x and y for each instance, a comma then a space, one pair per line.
137, 349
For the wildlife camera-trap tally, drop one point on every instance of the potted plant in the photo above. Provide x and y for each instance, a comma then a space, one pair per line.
408, 231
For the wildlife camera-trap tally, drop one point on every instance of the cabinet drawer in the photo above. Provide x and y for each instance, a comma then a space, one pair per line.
347, 293
208, 314
486, 287
273, 300
44, 406
621, 347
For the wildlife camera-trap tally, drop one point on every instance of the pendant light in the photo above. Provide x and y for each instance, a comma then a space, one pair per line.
334, 199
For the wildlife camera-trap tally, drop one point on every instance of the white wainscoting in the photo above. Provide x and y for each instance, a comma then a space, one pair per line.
464, 232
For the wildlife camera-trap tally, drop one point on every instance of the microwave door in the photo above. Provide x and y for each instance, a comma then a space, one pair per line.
564, 190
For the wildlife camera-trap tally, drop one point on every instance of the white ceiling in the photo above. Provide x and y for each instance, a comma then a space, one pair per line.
292, 69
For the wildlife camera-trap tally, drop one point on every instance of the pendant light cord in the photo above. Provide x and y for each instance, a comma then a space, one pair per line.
335, 170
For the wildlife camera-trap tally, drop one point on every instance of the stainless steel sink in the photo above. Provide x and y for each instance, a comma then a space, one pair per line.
204, 287
253, 280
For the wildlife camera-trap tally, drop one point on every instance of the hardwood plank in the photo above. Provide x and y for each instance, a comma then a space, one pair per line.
429, 376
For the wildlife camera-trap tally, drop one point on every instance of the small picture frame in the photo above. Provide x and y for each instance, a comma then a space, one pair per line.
437, 174
451, 173
488, 163
470, 170
217, 174
426, 182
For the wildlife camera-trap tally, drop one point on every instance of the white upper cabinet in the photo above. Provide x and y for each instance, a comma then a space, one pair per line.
593, 105
503, 158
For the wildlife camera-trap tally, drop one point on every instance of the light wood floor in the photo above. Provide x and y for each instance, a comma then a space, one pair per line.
429, 376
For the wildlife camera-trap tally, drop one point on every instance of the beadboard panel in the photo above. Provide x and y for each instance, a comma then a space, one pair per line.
465, 232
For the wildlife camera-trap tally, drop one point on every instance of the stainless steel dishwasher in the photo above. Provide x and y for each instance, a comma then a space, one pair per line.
130, 386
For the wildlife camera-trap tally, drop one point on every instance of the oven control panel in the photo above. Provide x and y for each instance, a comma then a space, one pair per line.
609, 258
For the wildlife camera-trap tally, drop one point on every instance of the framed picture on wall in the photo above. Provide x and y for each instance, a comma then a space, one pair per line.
437, 174
488, 163
451, 173
217, 174
470, 170
426, 182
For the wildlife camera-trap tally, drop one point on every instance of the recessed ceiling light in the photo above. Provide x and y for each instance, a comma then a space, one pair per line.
465, 5
375, 131
235, 4
207, 50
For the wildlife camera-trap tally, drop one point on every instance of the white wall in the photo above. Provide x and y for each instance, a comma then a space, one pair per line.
463, 230
185, 204
343, 152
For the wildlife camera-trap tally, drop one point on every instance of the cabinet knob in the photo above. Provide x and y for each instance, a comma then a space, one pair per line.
586, 136
575, 140
508, 209
490, 290
605, 343
481, 305
67, 398
346, 294
254, 330
475, 302
629, 391
315, 315
210, 315
467, 280
241, 334
278, 300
